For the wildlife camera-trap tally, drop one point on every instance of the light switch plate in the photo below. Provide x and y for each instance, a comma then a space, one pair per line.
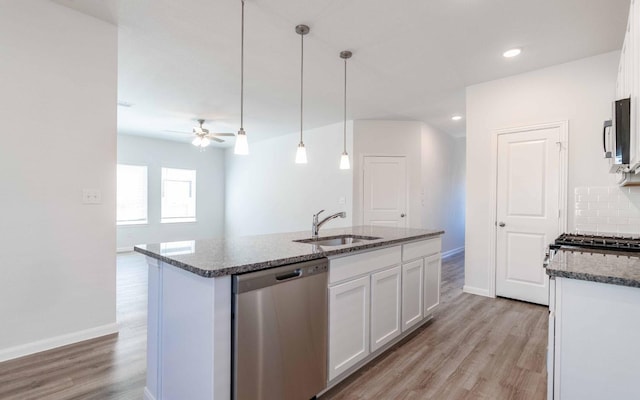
91, 196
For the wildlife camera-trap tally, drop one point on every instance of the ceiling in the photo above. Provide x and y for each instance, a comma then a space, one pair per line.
412, 59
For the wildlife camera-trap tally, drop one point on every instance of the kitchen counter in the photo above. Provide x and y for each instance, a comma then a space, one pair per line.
190, 297
617, 268
227, 256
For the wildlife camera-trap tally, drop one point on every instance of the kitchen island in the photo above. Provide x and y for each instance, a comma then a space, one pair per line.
189, 337
594, 325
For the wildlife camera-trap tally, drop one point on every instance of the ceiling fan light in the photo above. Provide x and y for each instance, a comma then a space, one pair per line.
197, 141
204, 142
242, 145
301, 154
344, 161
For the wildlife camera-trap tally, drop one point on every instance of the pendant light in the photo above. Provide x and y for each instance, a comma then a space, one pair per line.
241, 146
344, 159
301, 154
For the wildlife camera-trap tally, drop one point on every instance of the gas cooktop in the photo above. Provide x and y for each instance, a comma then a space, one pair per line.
601, 242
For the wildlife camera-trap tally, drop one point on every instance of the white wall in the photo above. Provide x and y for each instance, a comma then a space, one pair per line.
267, 192
156, 154
443, 186
580, 91
58, 106
435, 165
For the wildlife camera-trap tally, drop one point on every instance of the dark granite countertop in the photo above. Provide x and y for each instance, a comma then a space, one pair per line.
227, 256
617, 268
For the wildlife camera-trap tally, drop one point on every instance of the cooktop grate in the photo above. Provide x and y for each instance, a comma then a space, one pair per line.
622, 243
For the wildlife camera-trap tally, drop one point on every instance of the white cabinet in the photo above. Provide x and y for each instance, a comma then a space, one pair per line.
635, 84
594, 351
348, 324
412, 293
378, 297
386, 290
423, 282
432, 267
628, 81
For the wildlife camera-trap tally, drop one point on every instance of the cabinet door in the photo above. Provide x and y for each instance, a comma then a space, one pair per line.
412, 293
348, 324
386, 288
432, 266
634, 15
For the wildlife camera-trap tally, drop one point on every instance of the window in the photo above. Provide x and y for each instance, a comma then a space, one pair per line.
131, 194
178, 195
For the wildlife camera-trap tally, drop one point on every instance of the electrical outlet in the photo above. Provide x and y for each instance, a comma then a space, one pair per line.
91, 196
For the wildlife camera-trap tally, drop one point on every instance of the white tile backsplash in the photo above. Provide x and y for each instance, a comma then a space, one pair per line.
607, 209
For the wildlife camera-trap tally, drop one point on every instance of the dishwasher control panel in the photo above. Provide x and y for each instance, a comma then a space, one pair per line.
315, 269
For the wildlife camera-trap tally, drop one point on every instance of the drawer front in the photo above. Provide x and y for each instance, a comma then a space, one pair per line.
423, 248
363, 263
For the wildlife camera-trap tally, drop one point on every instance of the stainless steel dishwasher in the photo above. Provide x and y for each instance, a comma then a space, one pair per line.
280, 332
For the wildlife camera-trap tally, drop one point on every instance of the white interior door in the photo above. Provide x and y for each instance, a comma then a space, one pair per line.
385, 191
527, 210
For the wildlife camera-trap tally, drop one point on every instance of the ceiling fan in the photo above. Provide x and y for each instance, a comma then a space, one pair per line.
203, 136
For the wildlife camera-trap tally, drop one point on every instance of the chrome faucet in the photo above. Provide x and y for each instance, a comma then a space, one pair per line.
316, 225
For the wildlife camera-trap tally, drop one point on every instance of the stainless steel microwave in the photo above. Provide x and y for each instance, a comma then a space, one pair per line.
618, 131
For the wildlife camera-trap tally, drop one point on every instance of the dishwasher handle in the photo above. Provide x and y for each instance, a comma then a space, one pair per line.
247, 282
289, 275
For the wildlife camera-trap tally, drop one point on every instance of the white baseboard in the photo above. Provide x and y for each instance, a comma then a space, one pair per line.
58, 341
124, 249
148, 395
477, 291
453, 252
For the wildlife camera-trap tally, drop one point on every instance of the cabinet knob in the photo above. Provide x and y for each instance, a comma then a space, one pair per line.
502, 224
402, 215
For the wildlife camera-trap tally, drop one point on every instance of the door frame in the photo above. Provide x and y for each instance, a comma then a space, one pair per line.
407, 184
563, 182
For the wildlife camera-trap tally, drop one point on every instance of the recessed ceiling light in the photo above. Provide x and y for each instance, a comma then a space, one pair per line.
511, 53
456, 118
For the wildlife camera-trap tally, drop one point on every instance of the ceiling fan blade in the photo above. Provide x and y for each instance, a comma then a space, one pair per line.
222, 134
186, 133
215, 139
197, 129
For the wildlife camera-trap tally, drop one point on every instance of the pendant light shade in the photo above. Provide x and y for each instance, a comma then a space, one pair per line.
301, 154
197, 141
242, 145
344, 159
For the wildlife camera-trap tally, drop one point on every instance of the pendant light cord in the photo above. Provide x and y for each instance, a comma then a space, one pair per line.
242, 69
345, 105
301, 81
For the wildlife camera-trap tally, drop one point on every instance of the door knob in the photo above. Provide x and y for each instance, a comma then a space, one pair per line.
402, 215
502, 224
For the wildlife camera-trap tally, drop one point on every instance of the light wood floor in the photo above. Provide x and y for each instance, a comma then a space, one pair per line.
475, 348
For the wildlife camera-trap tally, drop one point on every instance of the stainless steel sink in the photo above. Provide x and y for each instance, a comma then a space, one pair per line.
338, 240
